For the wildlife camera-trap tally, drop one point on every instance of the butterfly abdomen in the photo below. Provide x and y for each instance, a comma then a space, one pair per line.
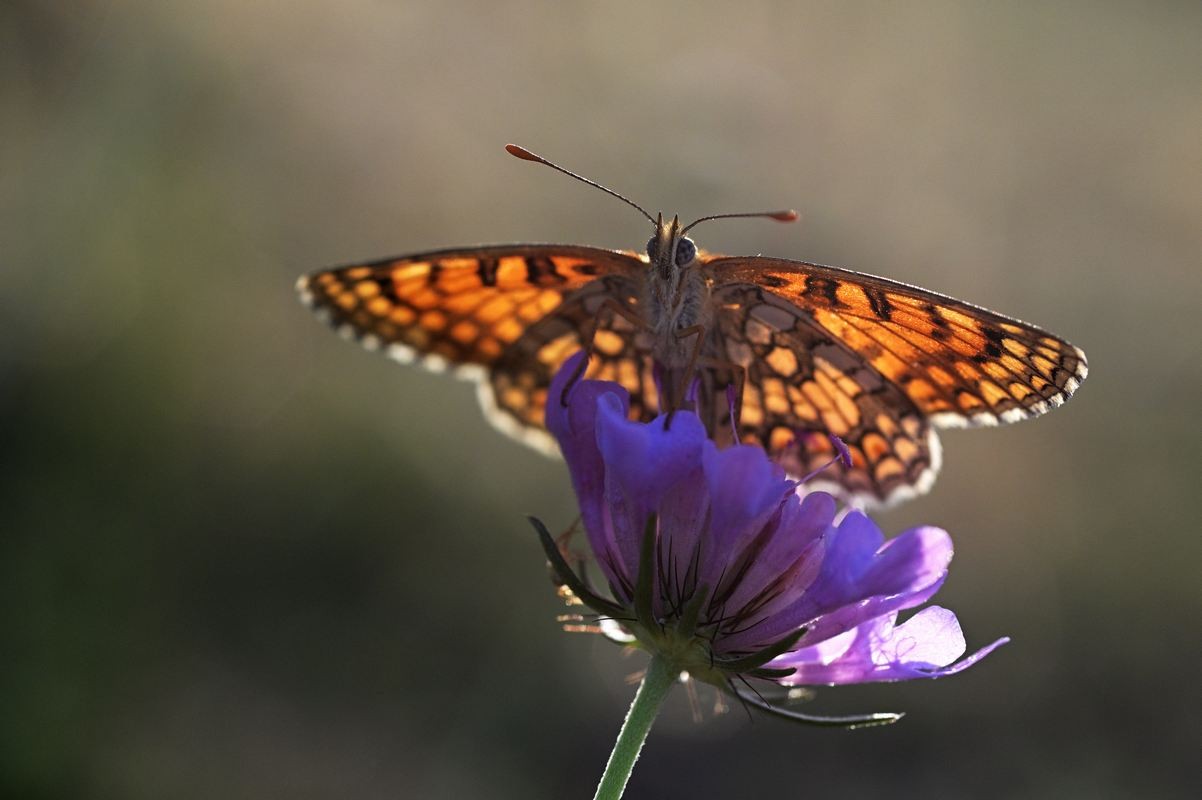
673, 309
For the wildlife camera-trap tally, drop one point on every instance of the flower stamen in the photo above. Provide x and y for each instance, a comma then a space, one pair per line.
842, 455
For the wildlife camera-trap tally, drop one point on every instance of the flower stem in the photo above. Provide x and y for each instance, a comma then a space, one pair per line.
647, 701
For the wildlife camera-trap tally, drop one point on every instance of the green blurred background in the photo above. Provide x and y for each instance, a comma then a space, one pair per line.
241, 558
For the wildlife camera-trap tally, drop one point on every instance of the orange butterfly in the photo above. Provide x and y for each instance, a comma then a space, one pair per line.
809, 350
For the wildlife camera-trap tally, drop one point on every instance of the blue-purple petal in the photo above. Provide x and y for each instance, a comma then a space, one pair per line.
925, 646
790, 556
643, 462
575, 428
862, 577
746, 490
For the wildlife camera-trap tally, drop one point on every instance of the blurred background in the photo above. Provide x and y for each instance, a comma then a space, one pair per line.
242, 558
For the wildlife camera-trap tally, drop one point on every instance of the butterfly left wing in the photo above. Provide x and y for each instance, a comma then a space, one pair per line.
511, 312
960, 364
800, 383
898, 361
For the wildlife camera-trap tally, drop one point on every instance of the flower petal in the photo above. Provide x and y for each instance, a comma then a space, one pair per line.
925, 646
862, 577
788, 556
643, 462
682, 523
746, 489
906, 572
574, 426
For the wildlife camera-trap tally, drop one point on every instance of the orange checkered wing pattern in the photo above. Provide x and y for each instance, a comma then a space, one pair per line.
507, 315
879, 364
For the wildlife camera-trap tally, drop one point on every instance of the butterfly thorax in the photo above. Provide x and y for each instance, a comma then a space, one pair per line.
676, 293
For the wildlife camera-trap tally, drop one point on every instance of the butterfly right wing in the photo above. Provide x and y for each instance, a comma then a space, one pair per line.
514, 311
518, 383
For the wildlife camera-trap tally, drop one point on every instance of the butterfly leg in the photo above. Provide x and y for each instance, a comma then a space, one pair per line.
564, 540
576, 562
564, 543
616, 309
686, 377
735, 388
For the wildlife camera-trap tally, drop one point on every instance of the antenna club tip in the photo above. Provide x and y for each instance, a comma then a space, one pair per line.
788, 215
521, 152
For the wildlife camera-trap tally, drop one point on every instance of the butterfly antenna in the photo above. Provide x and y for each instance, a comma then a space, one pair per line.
526, 155
788, 215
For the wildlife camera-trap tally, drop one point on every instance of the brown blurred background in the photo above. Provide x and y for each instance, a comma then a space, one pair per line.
241, 558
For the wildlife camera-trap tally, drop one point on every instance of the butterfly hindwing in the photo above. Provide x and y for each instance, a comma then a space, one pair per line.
518, 381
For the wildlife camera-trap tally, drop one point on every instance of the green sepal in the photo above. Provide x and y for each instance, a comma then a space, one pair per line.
570, 579
687, 624
761, 657
849, 722
770, 674
644, 609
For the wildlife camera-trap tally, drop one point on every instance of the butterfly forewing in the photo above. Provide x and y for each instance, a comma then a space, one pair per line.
802, 383
463, 306
498, 308
958, 363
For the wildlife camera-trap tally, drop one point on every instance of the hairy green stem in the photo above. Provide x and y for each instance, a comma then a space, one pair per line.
647, 701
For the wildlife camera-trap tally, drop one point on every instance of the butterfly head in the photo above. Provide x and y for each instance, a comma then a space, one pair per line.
669, 250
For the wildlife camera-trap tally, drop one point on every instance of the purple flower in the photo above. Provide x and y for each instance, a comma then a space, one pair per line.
715, 561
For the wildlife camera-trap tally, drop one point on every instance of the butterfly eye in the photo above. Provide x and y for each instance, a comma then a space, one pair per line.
651, 248
686, 251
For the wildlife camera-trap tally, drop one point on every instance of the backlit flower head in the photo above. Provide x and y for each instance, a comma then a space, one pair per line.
715, 561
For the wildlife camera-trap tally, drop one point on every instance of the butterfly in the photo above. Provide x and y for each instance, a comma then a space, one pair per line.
774, 352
